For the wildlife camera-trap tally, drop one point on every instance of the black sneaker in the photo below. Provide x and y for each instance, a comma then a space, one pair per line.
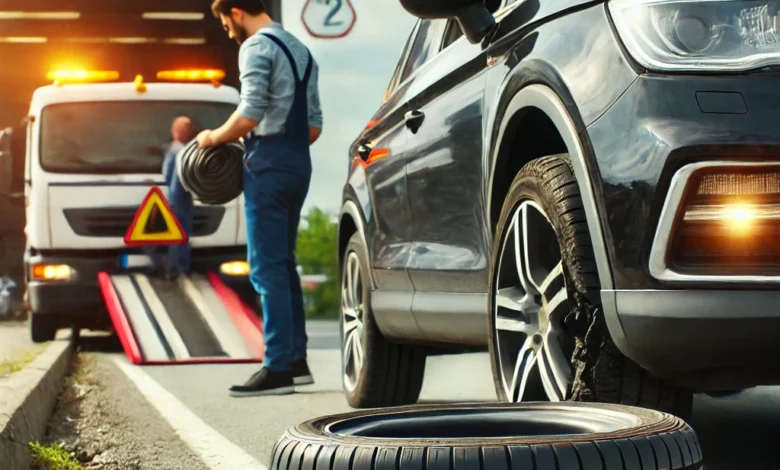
301, 373
265, 382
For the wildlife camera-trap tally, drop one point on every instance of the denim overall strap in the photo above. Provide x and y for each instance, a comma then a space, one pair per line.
304, 81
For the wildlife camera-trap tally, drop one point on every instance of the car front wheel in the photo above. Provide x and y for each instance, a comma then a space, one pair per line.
549, 339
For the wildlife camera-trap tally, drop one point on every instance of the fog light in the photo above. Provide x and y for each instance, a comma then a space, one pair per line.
235, 268
52, 272
730, 223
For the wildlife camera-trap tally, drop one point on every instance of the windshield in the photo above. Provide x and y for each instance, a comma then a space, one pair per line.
117, 137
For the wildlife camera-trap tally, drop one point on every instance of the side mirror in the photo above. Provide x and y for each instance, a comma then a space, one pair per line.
6, 162
474, 18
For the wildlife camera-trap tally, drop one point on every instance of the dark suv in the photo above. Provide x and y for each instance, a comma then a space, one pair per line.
590, 189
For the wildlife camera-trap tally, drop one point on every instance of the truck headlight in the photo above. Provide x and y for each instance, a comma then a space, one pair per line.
712, 35
235, 268
52, 272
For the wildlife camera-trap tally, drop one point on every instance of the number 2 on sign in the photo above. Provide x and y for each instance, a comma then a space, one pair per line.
333, 11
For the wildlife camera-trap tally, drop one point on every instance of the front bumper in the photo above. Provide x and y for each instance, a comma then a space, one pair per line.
659, 125
80, 299
706, 339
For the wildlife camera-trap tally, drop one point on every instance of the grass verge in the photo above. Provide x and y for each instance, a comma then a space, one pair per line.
53, 457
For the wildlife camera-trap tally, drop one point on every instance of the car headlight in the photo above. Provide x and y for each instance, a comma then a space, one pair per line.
713, 35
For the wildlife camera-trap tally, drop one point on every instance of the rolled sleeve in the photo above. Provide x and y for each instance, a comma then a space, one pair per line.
315, 108
255, 60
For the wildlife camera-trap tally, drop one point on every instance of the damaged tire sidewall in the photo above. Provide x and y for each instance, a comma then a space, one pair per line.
531, 184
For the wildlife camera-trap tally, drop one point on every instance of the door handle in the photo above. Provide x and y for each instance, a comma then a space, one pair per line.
414, 120
364, 151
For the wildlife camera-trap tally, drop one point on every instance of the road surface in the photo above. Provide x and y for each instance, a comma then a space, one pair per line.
738, 432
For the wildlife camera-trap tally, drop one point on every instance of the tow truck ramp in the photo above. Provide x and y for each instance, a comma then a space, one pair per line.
196, 319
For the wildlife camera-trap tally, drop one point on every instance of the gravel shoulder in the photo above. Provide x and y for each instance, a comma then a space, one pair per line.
103, 420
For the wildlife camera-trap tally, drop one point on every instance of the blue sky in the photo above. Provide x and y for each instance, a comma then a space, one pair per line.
354, 72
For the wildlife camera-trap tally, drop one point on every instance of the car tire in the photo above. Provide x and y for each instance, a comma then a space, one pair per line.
566, 352
388, 374
534, 436
42, 329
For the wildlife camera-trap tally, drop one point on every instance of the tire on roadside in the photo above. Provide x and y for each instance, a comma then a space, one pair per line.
600, 372
392, 374
495, 436
42, 329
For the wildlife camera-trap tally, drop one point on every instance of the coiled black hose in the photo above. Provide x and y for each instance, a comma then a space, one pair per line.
212, 175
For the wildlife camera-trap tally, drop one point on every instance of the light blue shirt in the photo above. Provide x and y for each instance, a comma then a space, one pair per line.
268, 82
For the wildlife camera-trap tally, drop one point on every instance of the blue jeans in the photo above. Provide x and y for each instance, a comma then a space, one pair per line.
273, 203
183, 208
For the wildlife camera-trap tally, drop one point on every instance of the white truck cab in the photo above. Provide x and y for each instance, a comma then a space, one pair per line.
94, 150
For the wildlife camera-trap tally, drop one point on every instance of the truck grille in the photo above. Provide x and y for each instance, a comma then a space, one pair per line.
114, 221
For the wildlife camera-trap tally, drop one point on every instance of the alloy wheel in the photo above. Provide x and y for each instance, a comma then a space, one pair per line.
530, 304
352, 321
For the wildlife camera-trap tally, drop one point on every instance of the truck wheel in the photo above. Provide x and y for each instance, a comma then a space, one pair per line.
537, 436
41, 328
375, 371
549, 339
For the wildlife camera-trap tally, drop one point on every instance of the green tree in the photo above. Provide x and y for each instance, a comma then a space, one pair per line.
317, 253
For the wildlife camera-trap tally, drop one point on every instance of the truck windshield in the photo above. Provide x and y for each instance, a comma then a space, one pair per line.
117, 137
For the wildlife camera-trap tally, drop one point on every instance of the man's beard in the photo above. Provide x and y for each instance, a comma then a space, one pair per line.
241, 34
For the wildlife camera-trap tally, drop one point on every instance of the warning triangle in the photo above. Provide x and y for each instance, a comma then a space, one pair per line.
154, 223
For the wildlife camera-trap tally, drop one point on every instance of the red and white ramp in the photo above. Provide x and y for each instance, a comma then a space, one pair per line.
197, 319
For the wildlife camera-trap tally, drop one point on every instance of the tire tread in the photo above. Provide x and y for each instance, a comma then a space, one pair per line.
669, 450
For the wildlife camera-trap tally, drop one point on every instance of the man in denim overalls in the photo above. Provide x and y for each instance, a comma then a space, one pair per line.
279, 117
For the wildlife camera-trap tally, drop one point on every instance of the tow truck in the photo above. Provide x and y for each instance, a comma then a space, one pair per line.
94, 153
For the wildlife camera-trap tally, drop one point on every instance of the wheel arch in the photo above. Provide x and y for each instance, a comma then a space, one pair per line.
540, 100
531, 103
351, 221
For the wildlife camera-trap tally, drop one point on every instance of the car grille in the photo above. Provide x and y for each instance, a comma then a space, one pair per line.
114, 221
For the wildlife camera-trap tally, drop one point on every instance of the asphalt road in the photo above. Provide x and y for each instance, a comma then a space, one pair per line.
738, 432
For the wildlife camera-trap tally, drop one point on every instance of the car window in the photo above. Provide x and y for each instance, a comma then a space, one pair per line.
425, 45
401, 61
453, 33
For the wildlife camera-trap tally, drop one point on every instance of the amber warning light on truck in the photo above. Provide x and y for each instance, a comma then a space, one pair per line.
211, 75
61, 76
82, 76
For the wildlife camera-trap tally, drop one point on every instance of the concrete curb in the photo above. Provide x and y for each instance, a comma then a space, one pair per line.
27, 400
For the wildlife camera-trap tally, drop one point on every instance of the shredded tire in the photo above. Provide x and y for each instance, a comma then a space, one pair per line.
601, 373
213, 175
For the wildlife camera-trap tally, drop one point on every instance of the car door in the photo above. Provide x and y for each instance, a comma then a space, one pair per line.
444, 169
446, 192
378, 175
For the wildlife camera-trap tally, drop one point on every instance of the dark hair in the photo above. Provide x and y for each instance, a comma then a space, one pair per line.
253, 7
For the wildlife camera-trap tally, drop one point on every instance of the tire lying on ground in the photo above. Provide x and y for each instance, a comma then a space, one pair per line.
500, 436
213, 175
